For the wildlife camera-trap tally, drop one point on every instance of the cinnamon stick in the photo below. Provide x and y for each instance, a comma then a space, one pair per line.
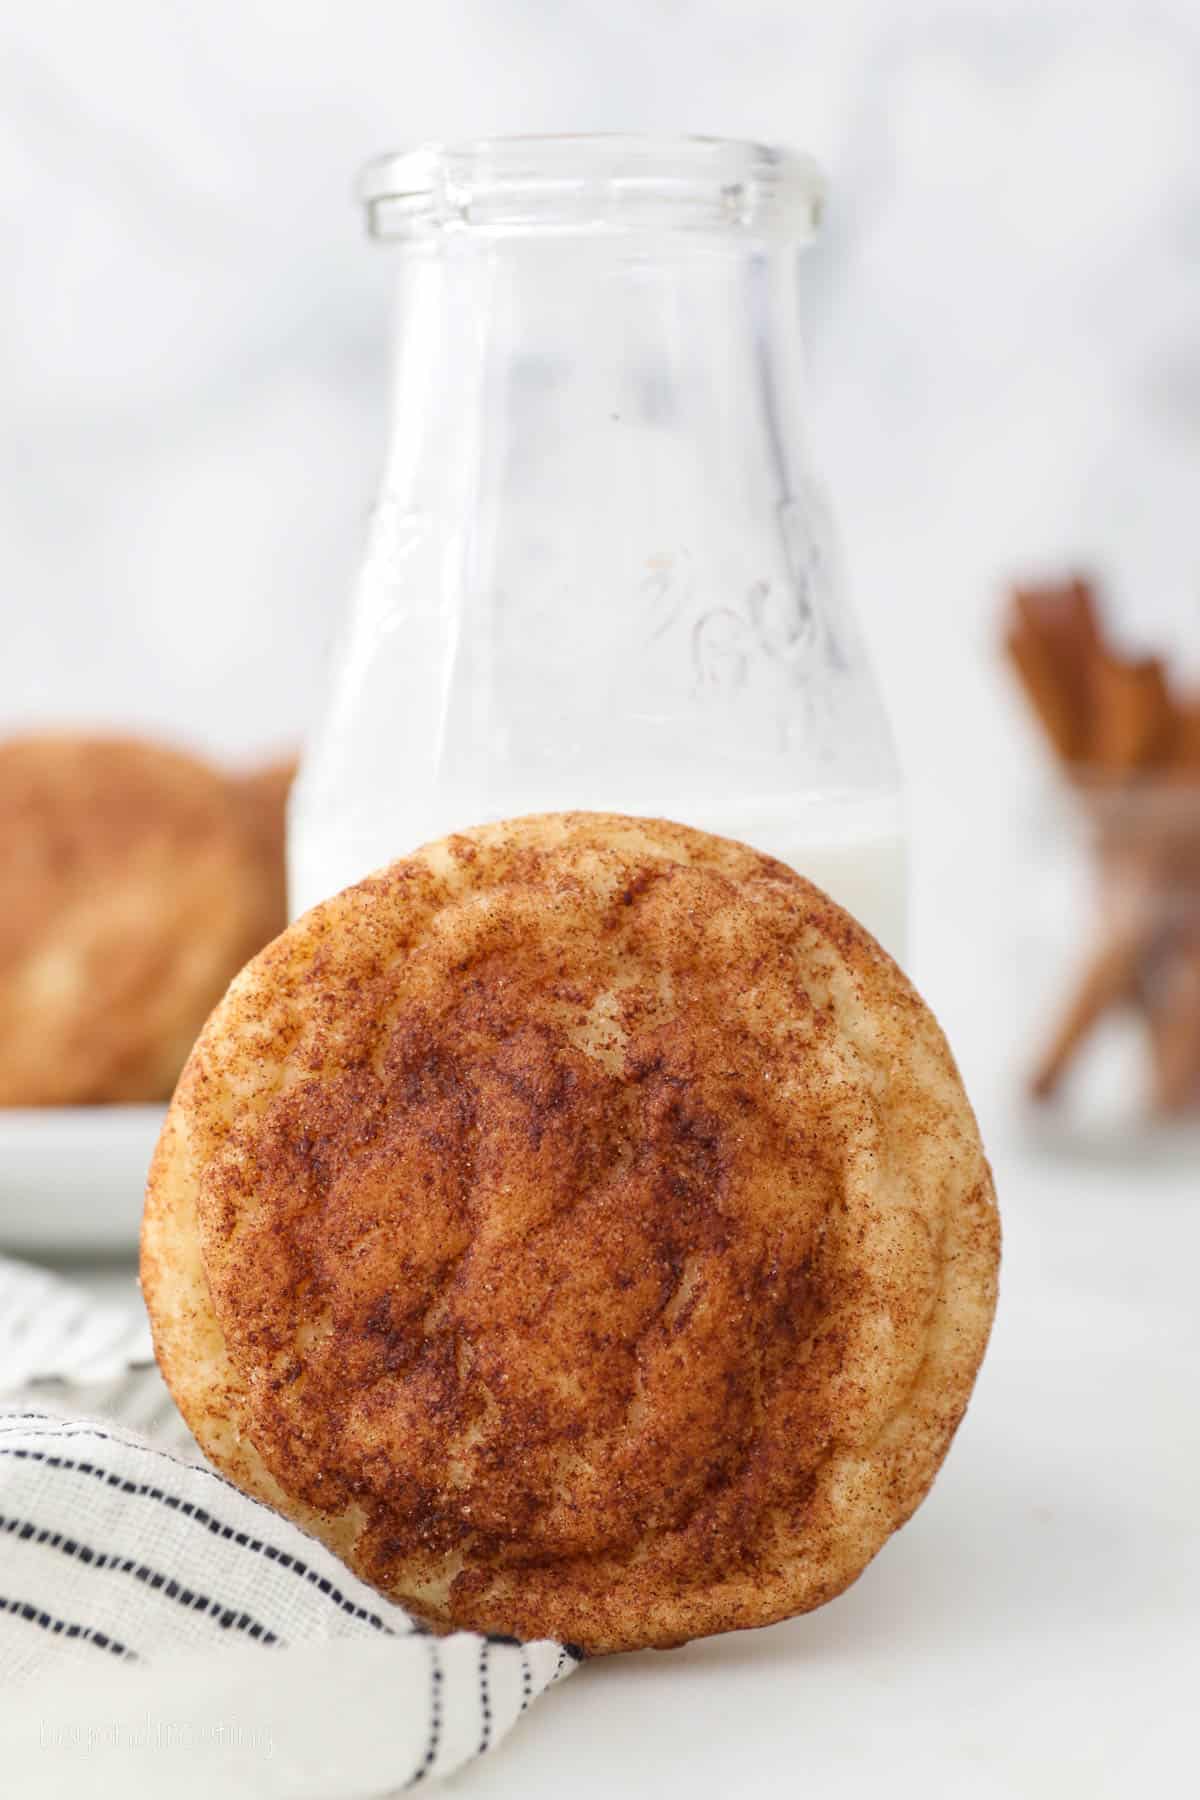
1116, 723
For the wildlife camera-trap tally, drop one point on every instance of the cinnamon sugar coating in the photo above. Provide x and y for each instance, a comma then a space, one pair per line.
581, 1226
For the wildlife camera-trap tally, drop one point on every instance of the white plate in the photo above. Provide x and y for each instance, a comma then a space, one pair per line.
72, 1177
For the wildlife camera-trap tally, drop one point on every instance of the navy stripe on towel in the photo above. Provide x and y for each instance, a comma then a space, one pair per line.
26, 1532
83, 1634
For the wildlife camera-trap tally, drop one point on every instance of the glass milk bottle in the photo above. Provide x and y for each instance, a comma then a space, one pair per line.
601, 571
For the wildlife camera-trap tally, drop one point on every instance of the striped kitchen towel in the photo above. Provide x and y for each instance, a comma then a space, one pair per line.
162, 1633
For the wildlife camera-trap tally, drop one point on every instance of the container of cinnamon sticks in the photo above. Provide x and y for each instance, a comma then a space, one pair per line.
1125, 736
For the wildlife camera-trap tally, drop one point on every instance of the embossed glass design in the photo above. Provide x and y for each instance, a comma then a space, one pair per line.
601, 571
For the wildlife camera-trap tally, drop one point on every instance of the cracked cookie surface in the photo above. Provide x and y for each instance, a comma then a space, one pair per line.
581, 1226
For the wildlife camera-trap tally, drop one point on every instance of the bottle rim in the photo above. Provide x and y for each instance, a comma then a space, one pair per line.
593, 181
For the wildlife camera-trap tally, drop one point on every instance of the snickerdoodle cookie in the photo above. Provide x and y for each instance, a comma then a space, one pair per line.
581, 1226
129, 896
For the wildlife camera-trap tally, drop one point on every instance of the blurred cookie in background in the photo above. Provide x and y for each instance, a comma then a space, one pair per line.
131, 891
262, 794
